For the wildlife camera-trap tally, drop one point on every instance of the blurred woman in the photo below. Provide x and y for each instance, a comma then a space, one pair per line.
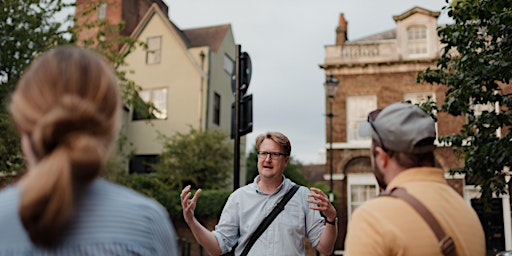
66, 108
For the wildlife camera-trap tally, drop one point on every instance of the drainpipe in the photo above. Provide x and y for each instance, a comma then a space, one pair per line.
202, 110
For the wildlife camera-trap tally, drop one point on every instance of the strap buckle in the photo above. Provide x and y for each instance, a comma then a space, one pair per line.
447, 245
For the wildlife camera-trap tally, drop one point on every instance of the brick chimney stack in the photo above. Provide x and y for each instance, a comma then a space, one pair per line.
341, 30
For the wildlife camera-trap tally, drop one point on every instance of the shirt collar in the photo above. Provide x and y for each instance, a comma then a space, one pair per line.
420, 173
257, 188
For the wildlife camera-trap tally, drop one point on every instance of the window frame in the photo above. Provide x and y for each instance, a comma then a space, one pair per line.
359, 179
229, 65
417, 39
143, 161
148, 97
352, 127
154, 50
102, 11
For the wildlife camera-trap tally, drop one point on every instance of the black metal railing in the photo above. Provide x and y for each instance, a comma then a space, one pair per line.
184, 246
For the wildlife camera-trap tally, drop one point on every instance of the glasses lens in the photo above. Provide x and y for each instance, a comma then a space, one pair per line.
263, 154
273, 155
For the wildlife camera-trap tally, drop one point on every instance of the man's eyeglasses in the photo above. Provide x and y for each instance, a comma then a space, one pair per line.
273, 155
371, 118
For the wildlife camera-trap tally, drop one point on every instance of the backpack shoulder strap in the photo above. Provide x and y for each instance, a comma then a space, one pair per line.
445, 242
268, 220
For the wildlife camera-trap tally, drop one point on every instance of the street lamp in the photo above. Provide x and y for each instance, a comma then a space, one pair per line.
331, 85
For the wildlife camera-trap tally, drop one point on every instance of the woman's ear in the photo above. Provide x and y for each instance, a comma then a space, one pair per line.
28, 151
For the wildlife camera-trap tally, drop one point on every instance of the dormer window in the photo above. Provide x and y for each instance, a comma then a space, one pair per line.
417, 40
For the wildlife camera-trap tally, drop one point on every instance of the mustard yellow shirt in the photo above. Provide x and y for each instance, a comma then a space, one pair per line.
390, 226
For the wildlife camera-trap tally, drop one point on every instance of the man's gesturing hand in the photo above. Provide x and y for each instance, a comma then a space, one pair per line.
321, 203
189, 205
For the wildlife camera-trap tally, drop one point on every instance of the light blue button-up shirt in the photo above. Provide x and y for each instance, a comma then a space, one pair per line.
248, 206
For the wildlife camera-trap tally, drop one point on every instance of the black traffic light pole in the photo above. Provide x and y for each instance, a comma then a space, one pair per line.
236, 132
242, 109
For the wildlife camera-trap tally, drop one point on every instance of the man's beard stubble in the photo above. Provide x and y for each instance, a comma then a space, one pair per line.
378, 175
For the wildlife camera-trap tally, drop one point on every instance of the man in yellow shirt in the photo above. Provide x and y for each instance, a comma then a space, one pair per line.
402, 155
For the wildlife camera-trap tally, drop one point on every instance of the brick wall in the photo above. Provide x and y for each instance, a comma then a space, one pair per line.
129, 11
389, 87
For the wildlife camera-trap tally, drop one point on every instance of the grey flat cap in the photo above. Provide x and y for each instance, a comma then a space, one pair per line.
402, 127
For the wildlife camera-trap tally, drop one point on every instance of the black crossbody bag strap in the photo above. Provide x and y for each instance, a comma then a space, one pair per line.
266, 222
445, 242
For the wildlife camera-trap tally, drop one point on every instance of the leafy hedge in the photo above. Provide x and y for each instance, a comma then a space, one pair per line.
210, 203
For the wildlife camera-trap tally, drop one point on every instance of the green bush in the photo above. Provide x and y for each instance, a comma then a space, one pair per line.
210, 203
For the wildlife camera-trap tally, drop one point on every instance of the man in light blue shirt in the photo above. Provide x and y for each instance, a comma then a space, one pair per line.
249, 205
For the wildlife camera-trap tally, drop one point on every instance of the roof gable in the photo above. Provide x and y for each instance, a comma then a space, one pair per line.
155, 10
182, 40
207, 36
212, 36
415, 10
391, 34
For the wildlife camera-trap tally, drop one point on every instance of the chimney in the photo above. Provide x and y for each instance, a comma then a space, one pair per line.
341, 31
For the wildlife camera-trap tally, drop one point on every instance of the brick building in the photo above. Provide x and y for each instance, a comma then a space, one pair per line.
374, 72
114, 12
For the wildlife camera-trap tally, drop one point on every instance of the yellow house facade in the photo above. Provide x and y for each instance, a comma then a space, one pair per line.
186, 75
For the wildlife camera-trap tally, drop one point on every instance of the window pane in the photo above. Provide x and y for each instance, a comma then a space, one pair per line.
142, 163
102, 11
479, 108
229, 65
419, 97
144, 95
417, 40
153, 52
216, 109
140, 106
159, 100
358, 108
361, 193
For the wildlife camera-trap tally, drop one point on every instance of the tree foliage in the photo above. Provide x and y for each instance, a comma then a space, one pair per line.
291, 170
30, 27
27, 28
476, 67
198, 158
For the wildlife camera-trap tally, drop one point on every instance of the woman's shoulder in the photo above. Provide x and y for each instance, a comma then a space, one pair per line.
109, 195
9, 198
9, 191
109, 207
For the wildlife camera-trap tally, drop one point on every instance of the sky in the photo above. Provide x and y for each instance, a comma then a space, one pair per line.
285, 40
